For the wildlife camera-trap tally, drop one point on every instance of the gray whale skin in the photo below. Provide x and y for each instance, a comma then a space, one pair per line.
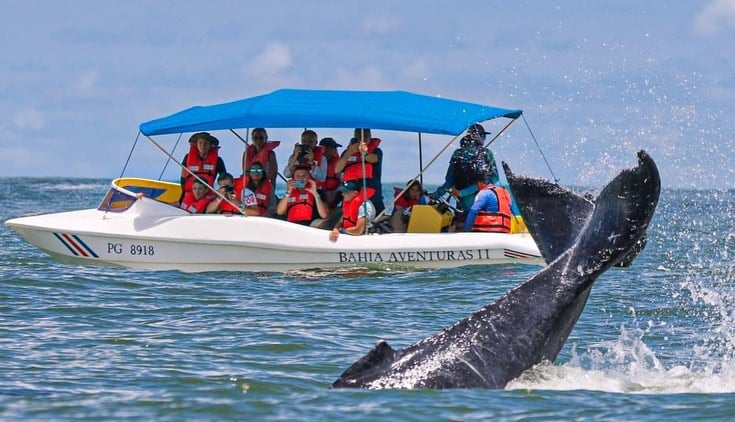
579, 237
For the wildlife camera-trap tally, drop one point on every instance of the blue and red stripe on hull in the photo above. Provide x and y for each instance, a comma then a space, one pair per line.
510, 253
75, 245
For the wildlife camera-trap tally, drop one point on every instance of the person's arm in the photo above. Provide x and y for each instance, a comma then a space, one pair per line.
477, 206
184, 173
213, 206
319, 172
272, 166
272, 204
282, 207
345, 157
334, 234
448, 178
287, 170
292, 161
321, 206
221, 169
358, 229
372, 158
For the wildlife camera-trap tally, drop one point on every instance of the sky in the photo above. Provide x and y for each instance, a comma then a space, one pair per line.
597, 80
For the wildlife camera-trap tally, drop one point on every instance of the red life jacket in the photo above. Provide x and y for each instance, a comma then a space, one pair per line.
403, 201
350, 209
495, 222
206, 169
353, 168
300, 206
261, 156
318, 152
262, 193
225, 207
194, 206
332, 180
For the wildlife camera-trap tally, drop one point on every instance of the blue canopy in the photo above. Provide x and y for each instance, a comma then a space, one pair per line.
297, 108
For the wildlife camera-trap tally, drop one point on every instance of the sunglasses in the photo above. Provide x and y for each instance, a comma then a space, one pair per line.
256, 170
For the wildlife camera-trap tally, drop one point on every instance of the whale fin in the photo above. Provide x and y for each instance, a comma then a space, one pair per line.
622, 213
554, 215
378, 360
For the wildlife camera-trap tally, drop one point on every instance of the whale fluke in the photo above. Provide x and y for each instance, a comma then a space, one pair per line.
531, 322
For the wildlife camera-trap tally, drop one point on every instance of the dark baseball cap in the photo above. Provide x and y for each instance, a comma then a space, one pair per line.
329, 142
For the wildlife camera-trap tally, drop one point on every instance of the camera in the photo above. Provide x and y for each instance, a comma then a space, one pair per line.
302, 157
229, 189
299, 184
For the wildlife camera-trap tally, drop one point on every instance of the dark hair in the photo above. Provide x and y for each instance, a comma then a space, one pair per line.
225, 176
261, 129
309, 132
412, 183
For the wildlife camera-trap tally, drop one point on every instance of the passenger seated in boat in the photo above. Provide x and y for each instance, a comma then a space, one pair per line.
226, 187
468, 163
261, 150
196, 200
355, 208
308, 155
332, 180
491, 211
402, 206
257, 191
350, 164
302, 204
202, 160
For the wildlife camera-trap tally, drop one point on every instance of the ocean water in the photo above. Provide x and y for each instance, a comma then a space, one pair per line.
656, 341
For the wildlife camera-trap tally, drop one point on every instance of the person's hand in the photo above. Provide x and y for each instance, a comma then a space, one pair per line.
353, 148
363, 148
311, 187
290, 184
333, 235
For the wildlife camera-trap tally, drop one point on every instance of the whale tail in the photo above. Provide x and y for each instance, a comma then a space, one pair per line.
580, 239
555, 216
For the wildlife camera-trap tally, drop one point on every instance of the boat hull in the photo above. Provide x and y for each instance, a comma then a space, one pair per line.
155, 236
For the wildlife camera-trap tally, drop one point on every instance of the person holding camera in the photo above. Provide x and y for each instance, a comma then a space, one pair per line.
308, 155
302, 204
226, 187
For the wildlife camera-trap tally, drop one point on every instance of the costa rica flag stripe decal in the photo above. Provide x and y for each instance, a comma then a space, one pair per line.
510, 253
75, 244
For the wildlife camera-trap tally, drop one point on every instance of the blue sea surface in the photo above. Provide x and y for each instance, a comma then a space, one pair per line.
655, 341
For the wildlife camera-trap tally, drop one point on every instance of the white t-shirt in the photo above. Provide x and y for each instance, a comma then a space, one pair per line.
370, 210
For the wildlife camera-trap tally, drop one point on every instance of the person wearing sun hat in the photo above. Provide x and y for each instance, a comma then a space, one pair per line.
357, 211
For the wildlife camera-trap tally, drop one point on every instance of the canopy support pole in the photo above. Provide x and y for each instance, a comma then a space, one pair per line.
204, 182
420, 175
421, 160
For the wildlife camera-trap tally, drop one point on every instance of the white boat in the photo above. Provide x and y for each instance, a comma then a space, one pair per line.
135, 227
